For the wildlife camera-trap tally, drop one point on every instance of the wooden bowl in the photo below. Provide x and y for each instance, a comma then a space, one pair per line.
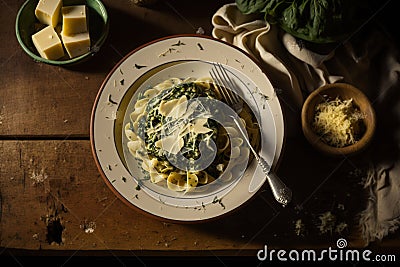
343, 91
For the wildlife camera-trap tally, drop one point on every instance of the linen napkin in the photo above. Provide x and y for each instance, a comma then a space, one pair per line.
368, 61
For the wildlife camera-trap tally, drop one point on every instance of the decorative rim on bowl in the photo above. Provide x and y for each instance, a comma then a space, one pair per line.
119, 86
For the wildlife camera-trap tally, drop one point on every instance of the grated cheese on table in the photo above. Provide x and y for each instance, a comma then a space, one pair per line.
338, 122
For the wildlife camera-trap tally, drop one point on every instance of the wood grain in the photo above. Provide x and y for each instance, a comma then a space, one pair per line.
42, 182
45, 181
42, 100
53, 199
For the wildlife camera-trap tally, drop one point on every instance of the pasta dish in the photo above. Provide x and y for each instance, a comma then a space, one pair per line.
179, 144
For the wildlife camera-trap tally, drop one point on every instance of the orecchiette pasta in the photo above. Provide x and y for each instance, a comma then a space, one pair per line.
165, 124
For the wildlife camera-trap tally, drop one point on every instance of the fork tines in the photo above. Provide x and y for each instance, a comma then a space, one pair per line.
225, 86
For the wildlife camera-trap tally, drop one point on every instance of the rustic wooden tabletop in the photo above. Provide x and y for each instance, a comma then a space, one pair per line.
54, 202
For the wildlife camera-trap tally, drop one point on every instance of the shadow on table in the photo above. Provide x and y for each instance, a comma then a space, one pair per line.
323, 189
328, 193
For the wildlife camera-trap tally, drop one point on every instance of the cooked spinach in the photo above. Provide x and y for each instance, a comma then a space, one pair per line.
154, 119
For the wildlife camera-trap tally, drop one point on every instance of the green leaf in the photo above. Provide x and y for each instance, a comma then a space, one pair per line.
320, 21
274, 8
251, 6
290, 17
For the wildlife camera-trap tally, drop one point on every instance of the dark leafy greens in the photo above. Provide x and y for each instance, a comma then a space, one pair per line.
319, 21
154, 120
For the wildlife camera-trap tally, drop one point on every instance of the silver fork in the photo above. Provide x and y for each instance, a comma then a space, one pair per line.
225, 86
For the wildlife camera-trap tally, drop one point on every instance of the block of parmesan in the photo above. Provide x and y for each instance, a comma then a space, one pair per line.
74, 19
48, 44
48, 12
77, 44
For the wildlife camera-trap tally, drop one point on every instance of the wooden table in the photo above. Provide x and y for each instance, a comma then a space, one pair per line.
54, 201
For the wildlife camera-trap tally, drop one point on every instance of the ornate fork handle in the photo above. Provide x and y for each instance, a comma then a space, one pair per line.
281, 192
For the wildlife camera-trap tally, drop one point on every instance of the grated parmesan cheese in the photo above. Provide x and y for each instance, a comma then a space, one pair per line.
338, 122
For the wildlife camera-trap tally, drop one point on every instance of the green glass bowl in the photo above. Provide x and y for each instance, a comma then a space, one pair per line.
26, 25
